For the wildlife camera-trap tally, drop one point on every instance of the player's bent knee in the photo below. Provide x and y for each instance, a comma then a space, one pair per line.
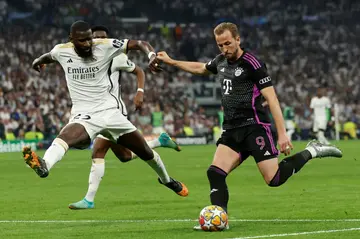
213, 171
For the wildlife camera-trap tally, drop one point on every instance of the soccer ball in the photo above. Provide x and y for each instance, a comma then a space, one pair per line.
213, 218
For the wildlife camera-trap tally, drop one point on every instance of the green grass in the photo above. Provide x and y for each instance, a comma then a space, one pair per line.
324, 189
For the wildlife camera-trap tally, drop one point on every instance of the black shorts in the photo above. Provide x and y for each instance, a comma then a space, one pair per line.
256, 140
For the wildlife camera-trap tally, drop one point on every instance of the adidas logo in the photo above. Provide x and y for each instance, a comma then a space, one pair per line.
222, 70
267, 153
69, 61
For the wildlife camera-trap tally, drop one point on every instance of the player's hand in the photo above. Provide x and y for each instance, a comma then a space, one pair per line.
164, 57
285, 144
37, 66
154, 64
138, 100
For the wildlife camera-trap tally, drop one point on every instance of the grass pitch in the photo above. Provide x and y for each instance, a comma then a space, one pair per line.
322, 201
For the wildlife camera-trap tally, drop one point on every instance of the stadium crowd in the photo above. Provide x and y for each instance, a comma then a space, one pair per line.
304, 48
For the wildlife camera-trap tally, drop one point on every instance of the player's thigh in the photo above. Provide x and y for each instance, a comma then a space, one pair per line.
261, 142
75, 135
225, 158
100, 147
122, 153
135, 142
82, 128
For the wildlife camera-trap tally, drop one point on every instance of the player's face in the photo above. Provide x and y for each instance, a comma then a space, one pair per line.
99, 34
228, 45
83, 41
320, 92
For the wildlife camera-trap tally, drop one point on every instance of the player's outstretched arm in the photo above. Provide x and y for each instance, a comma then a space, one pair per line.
38, 63
272, 99
197, 68
139, 97
145, 47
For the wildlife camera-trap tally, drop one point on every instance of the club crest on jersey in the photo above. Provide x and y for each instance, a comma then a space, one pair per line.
238, 71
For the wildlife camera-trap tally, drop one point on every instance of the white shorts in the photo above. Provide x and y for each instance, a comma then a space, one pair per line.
110, 123
319, 124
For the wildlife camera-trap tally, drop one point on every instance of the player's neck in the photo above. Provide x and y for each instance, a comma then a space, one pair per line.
240, 53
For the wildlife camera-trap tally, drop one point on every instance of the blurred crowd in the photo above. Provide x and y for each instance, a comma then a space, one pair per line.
305, 44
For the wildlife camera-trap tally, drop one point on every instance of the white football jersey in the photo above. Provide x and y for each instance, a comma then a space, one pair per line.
120, 63
320, 105
88, 80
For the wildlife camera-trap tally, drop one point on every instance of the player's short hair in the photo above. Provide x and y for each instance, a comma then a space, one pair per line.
80, 26
100, 28
222, 27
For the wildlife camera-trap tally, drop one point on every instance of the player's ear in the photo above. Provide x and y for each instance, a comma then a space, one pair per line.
70, 38
237, 39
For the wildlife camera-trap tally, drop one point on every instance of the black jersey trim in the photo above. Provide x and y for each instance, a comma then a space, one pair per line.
119, 95
112, 86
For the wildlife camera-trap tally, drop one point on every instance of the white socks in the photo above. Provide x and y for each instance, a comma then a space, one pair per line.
55, 152
153, 143
158, 166
321, 137
96, 174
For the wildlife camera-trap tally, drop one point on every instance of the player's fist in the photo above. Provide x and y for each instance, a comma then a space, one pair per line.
37, 66
154, 64
164, 57
285, 144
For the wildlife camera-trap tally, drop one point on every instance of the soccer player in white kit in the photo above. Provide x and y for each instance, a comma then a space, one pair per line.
87, 66
319, 106
120, 64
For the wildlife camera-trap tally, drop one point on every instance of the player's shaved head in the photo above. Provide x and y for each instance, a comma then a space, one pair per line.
79, 26
81, 37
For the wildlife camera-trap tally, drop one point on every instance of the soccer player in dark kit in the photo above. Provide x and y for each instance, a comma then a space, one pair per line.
245, 85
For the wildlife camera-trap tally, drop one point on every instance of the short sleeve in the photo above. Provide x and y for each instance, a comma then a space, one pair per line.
122, 63
312, 103
261, 77
212, 65
112, 47
120, 45
55, 52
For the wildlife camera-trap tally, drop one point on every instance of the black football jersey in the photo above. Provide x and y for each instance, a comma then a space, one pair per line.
241, 82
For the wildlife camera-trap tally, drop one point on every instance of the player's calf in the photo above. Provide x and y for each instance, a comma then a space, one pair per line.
291, 165
219, 194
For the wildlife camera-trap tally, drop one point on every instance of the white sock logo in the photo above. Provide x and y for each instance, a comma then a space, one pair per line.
213, 190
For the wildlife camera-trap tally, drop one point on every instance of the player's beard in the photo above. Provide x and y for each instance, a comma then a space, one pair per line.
85, 54
232, 57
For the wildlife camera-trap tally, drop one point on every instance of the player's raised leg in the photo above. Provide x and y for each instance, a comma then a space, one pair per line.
70, 136
164, 141
137, 144
276, 174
